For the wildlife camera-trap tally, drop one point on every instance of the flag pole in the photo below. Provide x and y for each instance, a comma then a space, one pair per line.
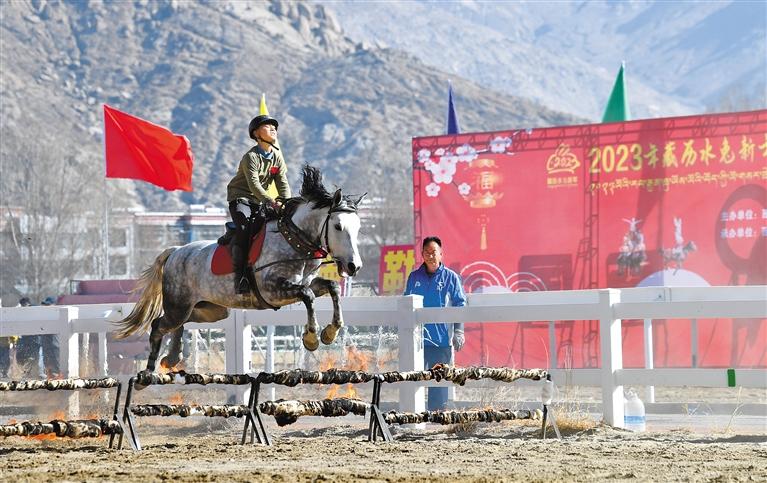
107, 207
107, 203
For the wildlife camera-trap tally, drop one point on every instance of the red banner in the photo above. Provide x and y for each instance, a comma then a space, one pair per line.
673, 202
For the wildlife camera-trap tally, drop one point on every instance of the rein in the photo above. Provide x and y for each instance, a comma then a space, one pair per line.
301, 242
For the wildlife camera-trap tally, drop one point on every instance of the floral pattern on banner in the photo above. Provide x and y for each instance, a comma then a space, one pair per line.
442, 164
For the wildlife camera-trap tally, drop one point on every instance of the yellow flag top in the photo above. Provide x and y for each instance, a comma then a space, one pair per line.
264, 111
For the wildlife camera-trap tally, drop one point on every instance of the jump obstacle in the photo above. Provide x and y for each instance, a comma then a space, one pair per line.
286, 412
83, 428
147, 379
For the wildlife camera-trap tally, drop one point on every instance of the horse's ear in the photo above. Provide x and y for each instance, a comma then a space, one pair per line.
336, 198
357, 203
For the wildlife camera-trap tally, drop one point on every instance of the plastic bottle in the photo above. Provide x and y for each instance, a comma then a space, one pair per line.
633, 412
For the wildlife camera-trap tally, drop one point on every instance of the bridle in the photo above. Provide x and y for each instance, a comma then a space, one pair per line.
302, 242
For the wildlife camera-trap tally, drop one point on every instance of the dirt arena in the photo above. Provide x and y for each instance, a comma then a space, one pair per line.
317, 449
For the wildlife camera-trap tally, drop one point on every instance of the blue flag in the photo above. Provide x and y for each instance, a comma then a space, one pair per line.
452, 118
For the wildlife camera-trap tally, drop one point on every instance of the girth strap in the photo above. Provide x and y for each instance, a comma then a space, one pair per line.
257, 292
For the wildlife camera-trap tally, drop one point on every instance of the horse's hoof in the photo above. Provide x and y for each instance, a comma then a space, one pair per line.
310, 341
139, 387
325, 336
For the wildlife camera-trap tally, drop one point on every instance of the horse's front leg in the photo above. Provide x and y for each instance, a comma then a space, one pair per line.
292, 290
320, 287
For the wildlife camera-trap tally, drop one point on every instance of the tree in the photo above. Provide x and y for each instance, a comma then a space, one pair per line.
51, 199
387, 220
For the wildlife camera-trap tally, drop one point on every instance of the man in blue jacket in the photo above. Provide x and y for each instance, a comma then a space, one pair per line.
439, 287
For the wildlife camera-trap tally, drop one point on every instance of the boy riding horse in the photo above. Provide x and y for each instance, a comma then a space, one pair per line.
247, 196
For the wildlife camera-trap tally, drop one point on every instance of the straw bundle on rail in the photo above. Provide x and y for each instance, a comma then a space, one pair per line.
86, 428
288, 412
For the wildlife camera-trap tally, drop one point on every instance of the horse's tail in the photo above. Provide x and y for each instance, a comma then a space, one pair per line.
149, 306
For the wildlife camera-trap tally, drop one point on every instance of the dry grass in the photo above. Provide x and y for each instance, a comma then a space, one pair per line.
571, 416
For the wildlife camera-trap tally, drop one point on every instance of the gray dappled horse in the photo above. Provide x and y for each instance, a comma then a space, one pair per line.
180, 286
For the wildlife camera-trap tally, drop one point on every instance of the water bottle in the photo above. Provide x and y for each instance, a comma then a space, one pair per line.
633, 412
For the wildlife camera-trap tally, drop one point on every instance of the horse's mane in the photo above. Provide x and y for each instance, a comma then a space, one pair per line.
314, 191
312, 188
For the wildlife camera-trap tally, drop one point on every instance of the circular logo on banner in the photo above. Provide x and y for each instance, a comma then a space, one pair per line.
741, 230
485, 277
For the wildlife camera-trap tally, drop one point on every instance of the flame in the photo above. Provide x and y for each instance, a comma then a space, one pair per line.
356, 360
61, 415
176, 398
332, 392
43, 437
328, 361
165, 368
51, 375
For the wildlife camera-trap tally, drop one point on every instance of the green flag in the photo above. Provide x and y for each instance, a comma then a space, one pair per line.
618, 105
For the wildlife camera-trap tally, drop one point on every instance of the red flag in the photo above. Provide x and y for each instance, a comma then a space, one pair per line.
139, 149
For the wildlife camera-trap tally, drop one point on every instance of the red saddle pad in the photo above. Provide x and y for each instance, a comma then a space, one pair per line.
221, 264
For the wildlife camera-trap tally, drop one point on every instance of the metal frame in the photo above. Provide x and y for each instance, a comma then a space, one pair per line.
114, 411
378, 425
250, 418
258, 431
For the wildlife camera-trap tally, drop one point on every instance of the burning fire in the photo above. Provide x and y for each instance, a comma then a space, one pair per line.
328, 361
43, 437
165, 368
176, 398
355, 359
350, 392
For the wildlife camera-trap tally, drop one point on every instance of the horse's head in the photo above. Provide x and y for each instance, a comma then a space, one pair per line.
341, 224
341, 235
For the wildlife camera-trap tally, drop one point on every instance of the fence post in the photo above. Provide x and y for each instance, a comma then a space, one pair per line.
410, 341
69, 355
553, 345
649, 363
194, 351
269, 359
694, 342
235, 342
237, 345
612, 357
103, 364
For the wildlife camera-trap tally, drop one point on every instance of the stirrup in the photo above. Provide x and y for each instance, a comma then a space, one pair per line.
243, 286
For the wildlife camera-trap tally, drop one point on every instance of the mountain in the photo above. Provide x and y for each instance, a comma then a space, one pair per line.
682, 57
200, 68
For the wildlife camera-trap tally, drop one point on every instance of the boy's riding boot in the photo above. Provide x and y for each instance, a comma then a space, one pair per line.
240, 262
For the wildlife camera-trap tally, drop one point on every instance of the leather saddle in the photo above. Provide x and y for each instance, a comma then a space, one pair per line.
221, 263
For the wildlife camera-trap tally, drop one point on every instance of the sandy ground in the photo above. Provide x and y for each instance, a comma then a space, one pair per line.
316, 449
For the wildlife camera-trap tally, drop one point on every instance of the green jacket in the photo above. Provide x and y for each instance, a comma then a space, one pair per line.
254, 175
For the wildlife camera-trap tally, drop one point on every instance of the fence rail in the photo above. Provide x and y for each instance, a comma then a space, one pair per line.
608, 306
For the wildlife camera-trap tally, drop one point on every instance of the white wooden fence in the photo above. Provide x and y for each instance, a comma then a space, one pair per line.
608, 306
